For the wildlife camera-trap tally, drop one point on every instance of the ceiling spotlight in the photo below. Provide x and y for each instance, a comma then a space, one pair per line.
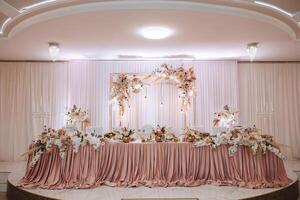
251, 50
156, 33
54, 50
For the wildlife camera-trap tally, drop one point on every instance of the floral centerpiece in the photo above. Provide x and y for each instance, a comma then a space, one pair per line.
248, 137
126, 135
50, 139
235, 136
190, 135
77, 117
109, 135
161, 134
225, 119
123, 134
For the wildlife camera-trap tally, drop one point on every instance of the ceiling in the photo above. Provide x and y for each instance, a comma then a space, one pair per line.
204, 30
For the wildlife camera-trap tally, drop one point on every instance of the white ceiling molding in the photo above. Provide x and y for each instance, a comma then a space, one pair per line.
241, 8
7, 9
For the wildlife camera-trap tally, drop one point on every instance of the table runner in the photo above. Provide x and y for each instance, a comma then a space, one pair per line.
155, 164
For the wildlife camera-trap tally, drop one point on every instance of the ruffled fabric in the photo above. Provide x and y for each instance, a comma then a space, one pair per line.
155, 164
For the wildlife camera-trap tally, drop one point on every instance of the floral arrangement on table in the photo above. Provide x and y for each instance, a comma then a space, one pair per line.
248, 137
125, 135
238, 135
161, 134
233, 136
192, 135
61, 139
225, 119
123, 84
77, 117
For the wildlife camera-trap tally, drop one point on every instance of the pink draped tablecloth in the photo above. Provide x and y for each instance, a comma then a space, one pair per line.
155, 164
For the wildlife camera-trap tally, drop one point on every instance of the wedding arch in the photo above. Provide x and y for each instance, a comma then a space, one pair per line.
123, 85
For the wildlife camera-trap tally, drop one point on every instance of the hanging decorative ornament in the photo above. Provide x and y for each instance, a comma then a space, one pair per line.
252, 50
54, 50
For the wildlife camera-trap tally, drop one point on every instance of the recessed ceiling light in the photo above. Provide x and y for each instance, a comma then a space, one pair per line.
156, 33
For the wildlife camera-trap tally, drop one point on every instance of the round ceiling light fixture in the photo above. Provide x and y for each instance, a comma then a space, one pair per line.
156, 33
252, 50
54, 50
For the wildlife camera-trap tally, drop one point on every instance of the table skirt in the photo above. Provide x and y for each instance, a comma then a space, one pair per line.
155, 164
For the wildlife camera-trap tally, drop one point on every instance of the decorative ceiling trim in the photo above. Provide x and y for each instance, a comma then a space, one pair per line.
67, 7
7, 9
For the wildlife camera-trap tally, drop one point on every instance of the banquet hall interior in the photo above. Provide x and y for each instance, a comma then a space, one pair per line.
149, 99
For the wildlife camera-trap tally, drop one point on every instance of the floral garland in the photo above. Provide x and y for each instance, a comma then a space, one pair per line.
184, 77
124, 135
232, 136
239, 136
61, 139
123, 85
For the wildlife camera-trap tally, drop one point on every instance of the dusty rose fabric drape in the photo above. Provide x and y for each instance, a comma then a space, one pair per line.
155, 164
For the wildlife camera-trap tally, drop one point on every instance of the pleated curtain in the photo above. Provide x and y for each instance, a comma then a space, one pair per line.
33, 94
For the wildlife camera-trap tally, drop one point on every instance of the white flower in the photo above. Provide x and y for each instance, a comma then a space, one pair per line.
232, 150
76, 141
62, 154
94, 141
200, 143
57, 142
254, 147
218, 140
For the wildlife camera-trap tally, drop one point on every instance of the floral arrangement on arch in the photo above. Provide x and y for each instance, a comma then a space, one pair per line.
123, 85
120, 91
185, 79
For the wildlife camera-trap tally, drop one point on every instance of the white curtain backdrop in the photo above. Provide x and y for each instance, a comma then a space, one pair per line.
31, 95
269, 97
34, 94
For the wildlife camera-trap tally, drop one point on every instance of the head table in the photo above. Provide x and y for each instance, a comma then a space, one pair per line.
155, 164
